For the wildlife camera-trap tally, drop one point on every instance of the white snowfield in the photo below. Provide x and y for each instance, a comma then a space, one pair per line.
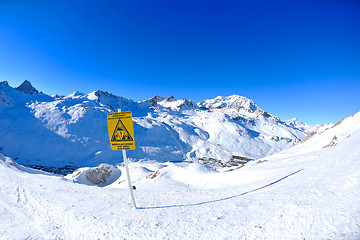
310, 191
38, 129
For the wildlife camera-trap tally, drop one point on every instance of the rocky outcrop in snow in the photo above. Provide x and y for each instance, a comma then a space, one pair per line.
27, 88
171, 103
5, 99
8, 162
102, 175
4, 83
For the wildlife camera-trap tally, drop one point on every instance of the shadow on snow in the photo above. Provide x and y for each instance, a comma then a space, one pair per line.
222, 199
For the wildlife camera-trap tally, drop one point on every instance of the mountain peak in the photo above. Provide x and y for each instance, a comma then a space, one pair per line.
4, 83
27, 88
169, 99
100, 95
229, 102
294, 122
156, 99
75, 94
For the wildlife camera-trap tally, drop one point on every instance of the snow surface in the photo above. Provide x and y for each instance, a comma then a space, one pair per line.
60, 131
310, 191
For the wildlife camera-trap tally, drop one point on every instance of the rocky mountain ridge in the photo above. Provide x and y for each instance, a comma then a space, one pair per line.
72, 130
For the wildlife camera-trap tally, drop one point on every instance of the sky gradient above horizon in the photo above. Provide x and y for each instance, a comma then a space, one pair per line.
292, 58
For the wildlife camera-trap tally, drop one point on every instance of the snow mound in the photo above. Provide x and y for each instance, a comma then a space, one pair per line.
167, 174
195, 175
102, 175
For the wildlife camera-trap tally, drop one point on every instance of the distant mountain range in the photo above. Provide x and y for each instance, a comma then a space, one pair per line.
53, 130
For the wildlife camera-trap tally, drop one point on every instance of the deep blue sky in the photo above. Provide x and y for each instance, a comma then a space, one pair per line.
293, 58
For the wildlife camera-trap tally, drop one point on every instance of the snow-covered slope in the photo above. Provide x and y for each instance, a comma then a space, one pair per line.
310, 191
37, 129
329, 135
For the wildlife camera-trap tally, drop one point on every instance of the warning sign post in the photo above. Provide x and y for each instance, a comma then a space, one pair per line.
121, 134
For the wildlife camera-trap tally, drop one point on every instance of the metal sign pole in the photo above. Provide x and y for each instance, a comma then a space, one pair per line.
121, 135
128, 178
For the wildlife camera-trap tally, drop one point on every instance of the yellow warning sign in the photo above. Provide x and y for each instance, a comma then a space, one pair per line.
121, 131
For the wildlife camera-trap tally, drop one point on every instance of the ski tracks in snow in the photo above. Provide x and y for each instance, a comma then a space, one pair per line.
45, 214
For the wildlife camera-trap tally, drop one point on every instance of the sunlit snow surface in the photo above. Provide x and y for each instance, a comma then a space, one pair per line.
310, 191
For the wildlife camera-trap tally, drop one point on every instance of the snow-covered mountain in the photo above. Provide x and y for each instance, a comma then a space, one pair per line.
301, 125
38, 129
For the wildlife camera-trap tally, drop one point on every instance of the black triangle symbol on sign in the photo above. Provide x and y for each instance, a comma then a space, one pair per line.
121, 133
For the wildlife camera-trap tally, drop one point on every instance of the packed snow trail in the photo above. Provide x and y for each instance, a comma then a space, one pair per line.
78, 211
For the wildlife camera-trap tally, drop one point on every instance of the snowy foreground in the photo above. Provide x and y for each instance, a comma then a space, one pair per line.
310, 191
